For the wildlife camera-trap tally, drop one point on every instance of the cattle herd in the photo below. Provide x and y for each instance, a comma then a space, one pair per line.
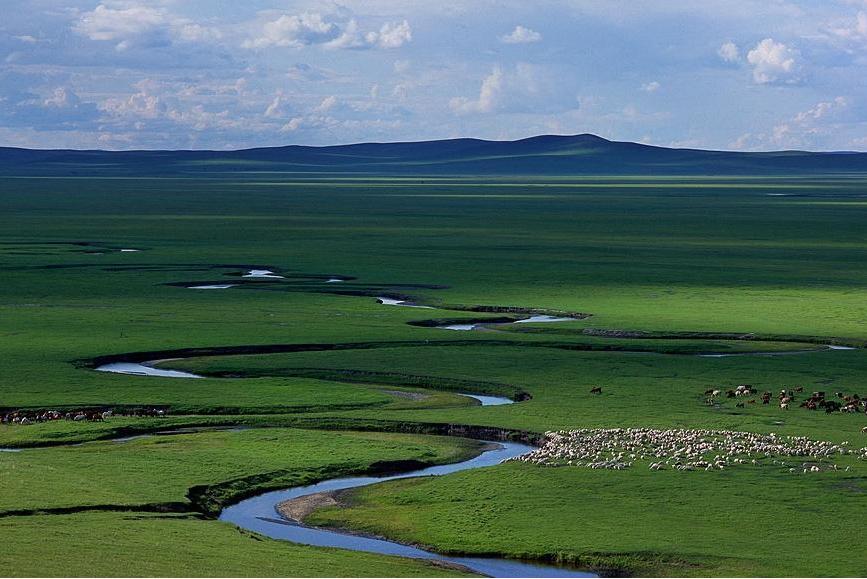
686, 449
24, 417
746, 394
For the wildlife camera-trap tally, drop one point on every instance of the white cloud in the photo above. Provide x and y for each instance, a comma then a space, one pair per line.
144, 104
104, 23
651, 86
742, 142
295, 31
326, 105
525, 88
805, 129
729, 52
822, 110
135, 25
310, 122
190, 32
61, 98
200, 119
856, 28
275, 109
850, 34
293, 125
311, 28
773, 62
489, 93
521, 35
351, 37
391, 35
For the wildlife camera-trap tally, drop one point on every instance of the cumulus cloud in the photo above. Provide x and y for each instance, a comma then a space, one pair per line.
489, 94
856, 28
391, 35
159, 107
60, 109
773, 62
104, 23
822, 110
524, 88
651, 86
521, 35
311, 28
729, 52
295, 31
805, 129
61, 98
849, 34
140, 25
806, 126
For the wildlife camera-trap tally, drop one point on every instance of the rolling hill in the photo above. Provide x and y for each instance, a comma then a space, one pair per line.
542, 155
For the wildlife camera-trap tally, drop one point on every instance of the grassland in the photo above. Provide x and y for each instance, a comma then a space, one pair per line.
674, 257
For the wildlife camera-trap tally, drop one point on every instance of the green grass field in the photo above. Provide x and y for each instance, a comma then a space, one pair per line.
692, 262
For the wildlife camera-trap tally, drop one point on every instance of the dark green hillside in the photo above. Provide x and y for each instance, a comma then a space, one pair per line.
543, 155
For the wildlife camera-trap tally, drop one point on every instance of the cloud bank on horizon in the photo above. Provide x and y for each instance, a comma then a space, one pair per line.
724, 74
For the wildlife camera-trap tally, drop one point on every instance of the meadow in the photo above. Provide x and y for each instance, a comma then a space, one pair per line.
329, 382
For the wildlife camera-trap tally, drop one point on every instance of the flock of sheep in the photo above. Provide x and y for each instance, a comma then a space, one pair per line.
25, 417
685, 449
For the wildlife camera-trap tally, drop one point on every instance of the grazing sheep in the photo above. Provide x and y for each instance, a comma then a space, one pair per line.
79, 415
681, 449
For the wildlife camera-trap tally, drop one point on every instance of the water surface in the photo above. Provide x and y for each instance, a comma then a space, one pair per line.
144, 369
262, 273
259, 514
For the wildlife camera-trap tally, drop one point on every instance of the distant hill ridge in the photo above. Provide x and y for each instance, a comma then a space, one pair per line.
583, 154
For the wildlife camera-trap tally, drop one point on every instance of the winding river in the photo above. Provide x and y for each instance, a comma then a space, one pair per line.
150, 368
259, 514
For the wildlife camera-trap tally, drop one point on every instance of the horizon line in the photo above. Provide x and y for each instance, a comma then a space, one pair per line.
443, 140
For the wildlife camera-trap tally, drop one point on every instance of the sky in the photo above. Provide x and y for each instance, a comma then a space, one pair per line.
229, 74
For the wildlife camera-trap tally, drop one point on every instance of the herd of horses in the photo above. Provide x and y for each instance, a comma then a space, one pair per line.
841, 402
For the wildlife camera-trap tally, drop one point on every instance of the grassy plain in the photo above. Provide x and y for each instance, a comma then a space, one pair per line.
660, 255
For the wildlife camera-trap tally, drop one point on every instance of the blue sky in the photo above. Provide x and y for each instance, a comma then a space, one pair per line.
221, 74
